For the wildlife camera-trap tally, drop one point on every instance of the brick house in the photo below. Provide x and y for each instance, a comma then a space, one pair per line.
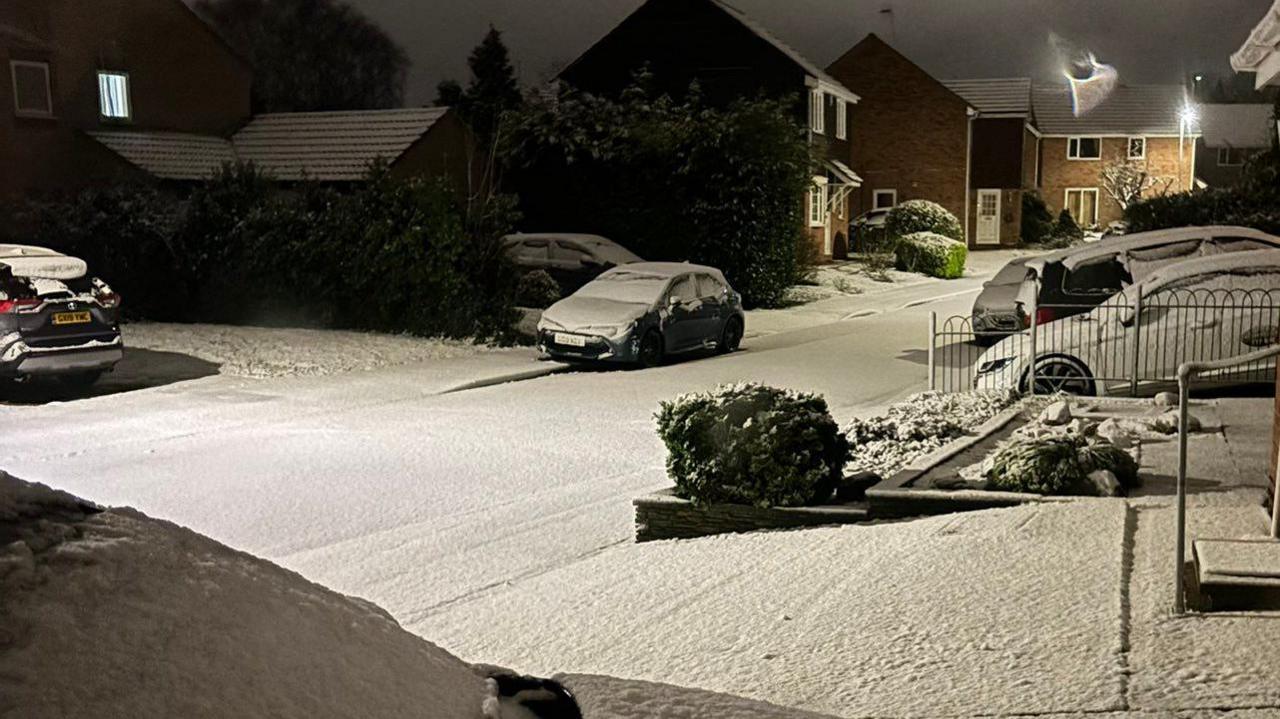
1230, 135
1143, 124
145, 90
731, 56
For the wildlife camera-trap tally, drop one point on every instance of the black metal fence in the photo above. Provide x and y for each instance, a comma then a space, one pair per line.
1119, 346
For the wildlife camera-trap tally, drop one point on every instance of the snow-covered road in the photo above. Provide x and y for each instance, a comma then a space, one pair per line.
375, 484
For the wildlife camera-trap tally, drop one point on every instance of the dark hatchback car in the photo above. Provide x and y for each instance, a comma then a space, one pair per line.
572, 260
55, 322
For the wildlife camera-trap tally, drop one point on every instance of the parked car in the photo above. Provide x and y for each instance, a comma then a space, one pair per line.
643, 312
572, 260
1200, 309
869, 227
55, 321
1077, 279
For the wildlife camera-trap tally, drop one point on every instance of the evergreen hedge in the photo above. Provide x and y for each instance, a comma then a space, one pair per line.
931, 254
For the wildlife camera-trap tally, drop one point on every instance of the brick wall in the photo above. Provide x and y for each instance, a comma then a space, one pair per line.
1058, 173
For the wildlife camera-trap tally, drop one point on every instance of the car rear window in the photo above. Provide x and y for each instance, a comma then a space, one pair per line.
532, 249
1105, 275
569, 252
709, 286
1240, 244
684, 289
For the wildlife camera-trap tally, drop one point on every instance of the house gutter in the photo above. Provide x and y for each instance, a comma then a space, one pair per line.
968, 173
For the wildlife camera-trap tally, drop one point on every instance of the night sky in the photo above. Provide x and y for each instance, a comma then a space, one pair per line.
1146, 40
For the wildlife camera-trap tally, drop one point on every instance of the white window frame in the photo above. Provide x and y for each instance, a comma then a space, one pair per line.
842, 119
1224, 157
128, 97
875, 199
1128, 148
1066, 204
817, 111
1076, 142
818, 210
48, 88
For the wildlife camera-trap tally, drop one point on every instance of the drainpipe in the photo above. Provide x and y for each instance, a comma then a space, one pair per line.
970, 113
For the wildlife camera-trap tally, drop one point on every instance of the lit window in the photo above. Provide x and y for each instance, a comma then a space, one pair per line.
1084, 148
113, 95
817, 111
31, 95
842, 119
884, 199
818, 202
1083, 206
1137, 148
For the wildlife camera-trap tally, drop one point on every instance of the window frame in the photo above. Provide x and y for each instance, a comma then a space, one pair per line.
1226, 151
1076, 140
1066, 204
1128, 148
817, 111
18, 111
128, 96
842, 119
875, 199
818, 194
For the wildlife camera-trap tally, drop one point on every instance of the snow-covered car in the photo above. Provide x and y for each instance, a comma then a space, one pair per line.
1209, 308
572, 260
55, 321
1077, 279
644, 312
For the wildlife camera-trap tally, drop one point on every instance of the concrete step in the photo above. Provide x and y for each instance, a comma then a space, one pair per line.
1236, 574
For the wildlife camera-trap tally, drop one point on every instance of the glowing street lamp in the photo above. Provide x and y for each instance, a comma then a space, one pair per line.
1186, 118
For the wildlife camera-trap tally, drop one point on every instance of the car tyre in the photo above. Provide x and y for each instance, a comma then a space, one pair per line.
651, 350
731, 338
1061, 374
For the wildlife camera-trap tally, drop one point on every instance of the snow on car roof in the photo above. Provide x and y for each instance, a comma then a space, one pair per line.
1252, 260
1074, 256
666, 269
575, 236
32, 261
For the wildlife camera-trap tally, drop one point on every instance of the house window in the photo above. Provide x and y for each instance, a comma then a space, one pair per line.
884, 199
817, 111
113, 96
1082, 203
818, 202
1084, 148
842, 119
31, 94
1232, 156
1137, 148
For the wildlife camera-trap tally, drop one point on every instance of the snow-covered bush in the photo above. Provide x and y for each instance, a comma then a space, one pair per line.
918, 426
1057, 464
915, 216
752, 444
931, 254
537, 289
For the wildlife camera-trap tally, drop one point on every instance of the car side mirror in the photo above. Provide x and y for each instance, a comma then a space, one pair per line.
673, 301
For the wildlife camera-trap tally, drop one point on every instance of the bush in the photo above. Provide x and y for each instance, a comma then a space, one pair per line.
1037, 221
932, 255
1066, 229
1255, 202
673, 179
752, 444
537, 289
915, 216
1057, 465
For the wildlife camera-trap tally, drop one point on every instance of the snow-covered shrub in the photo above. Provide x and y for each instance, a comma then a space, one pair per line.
915, 216
1057, 464
918, 426
752, 444
1252, 202
537, 289
931, 254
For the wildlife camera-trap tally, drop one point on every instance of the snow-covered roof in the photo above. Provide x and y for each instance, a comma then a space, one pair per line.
1260, 53
995, 96
326, 146
169, 155
1076, 256
667, 269
1130, 110
1236, 125
32, 261
1251, 261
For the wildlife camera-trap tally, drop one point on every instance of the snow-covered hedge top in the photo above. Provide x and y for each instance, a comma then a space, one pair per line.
922, 216
931, 239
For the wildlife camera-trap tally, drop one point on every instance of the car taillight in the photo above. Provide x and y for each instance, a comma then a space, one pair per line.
109, 300
1044, 315
12, 306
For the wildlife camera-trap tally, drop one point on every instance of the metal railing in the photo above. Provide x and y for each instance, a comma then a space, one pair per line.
1111, 347
1188, 372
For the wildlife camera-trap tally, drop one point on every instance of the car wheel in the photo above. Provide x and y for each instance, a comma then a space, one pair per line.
731, 338
1061, 374
651, 350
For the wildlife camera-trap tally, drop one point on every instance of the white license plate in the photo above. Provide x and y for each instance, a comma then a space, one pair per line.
570, 340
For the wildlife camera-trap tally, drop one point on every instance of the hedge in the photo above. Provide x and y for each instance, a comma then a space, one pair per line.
931, 254
1254, 202
752, 444
915, 216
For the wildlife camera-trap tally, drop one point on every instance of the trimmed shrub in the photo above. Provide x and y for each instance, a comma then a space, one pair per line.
537, 289
752, 444
1066, 229
1057, 465
1037, 221
915, 216
931, 254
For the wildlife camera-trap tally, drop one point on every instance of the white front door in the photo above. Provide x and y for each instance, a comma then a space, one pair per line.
988, 217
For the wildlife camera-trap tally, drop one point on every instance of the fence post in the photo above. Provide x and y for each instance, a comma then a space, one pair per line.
1184, 399
1035, 310
1135, 361
1275, 504
933, 340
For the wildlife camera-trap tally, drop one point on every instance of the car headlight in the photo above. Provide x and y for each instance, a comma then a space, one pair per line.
995, 365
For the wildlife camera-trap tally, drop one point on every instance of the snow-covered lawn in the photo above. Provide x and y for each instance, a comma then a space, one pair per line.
849, 277
280, 352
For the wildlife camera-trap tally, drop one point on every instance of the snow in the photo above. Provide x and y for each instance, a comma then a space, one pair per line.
31, 261
114, 614
280, 352
602, 697
849, 277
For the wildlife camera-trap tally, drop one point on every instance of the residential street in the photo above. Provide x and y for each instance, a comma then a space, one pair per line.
375, 485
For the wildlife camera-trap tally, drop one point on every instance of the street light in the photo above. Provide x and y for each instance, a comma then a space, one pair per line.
1186, 118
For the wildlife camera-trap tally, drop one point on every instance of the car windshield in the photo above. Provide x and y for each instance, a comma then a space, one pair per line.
610, 252
629, 287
